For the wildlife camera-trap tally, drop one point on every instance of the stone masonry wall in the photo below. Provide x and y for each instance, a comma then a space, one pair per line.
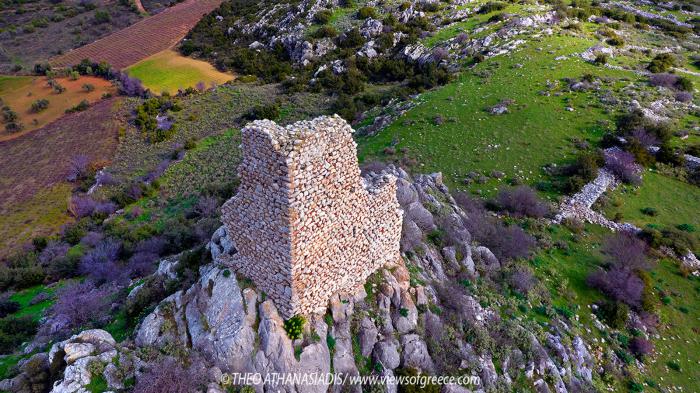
304, 222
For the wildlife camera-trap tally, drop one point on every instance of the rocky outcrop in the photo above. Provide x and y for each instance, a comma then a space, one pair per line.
89, 355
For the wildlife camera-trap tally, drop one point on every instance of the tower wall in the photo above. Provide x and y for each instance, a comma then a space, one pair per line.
305, 223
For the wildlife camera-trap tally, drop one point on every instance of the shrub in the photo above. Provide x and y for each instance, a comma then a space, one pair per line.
172, 376
522, 280
601, 59
81, 303
323, 16
150, 294
684, 84
625, 250
294, 327
100, 263
641, 347
88, 87
269, 112
614, 313
77, 167
326, 31
649, 211
40, 105
81, 206
129, 86
686, 227
661, 63
53, 251
102, 16
408, 373
492, 6
7, 307
14, 331
522, 201
367, 12
619, 284
684, 96
351, 39
622, 165
663, 80
79, 107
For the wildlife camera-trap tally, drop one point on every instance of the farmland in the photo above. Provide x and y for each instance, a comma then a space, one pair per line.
33, 167
33, 31
169, 71
142, 39
19, 93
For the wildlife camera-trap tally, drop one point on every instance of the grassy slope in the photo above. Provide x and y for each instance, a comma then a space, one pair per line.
675, 202
214, 160
20, 92
565, 271
168, 71
42, 214
537, 131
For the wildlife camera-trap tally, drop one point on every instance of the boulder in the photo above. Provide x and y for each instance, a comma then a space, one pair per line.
415, 353
386, 353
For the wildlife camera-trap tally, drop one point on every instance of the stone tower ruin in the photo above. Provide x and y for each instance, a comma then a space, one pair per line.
304, 223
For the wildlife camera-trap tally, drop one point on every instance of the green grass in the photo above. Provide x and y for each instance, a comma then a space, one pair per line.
676, 202
7, 362
564, 273
168, 71
537, 131
213, 160
24, 298
679, 341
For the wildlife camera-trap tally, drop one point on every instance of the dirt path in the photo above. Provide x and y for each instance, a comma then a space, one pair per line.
142, 39
139, 7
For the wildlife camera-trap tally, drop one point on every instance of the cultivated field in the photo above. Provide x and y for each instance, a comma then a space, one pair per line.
20, 92
169, 71
33, 31
142, 39
33, 168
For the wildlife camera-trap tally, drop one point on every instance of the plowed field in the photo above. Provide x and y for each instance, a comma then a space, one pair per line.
142, 39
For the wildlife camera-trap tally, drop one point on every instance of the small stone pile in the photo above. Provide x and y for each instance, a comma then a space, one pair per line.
305, 224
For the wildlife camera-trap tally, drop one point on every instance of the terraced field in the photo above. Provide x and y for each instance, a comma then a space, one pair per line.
142, 39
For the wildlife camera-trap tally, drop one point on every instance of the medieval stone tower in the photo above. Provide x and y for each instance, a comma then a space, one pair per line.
305, 224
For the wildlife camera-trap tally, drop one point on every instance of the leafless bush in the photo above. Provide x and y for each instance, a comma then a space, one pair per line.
77, 167
643, 137
207, 206
522, 280
81, 206
619, 284
81, 303
522, 201
684, 96
663, 80
622, 164
625, 250
53, 251
171, 376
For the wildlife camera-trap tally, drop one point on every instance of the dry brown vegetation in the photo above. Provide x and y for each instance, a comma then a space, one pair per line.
20, 92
